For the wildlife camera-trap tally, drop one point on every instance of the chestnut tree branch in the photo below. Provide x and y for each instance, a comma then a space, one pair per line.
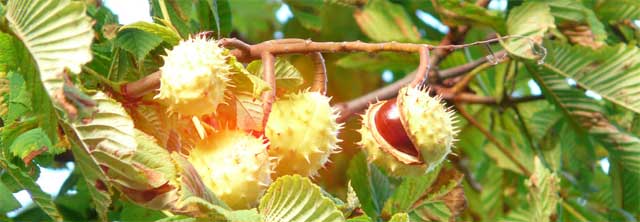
268, 97
320, 77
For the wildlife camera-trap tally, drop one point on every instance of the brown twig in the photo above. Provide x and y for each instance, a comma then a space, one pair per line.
347, 109
235, 43
423, 69
301, 46
491, 138
137, 89
268, 97
320, 77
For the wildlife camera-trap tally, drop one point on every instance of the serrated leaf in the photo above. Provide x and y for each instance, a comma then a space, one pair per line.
578, 13
611, 71
306, 12
371, 197
134, 213
361, 218
222, 15
586, 113
400, 217
384, 21
165, 33
58, 35
152, 120
462, 12
42, 199
294, 198
152, 156
431, 211
137, 42
19, 99
254, 19
110, 130
249, 113
287, 76
34, 140
543, 196
244, 215
408, 192
618, 10
543, 186
7, 201
531, 20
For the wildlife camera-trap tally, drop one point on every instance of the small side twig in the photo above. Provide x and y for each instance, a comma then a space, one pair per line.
320, 77
237, 44
423, 69
268, 97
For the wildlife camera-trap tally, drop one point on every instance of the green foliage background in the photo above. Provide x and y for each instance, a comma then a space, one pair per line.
559, 141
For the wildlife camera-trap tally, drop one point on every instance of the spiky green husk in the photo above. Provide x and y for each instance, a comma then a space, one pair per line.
429, 124
194, 77
374, 150
303, 133
234, 165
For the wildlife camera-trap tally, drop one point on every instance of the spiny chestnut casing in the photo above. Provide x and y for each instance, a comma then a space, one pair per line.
410, 135
303, 133
194, 77
234, 165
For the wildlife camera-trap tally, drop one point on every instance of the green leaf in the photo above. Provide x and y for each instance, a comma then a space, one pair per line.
256, 20
431, 211
222, 15
306, 12
19, 99
531, 20
384, 21
167, 34
586, 113
34, 140
244, 215
294, 198
287, 76
610, 71
543, 188
462, 12
408, 192
576, 12
618, 10
134, 213
400, 217
107, 138
138, 42
361, 218
7, 201
40, 198
371, 186
15, 57
58, 37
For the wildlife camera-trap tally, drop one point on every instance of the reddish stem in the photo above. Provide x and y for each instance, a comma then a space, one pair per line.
320, 78
268, 97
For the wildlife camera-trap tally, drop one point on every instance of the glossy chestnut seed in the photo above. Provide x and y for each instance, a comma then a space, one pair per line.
390, 127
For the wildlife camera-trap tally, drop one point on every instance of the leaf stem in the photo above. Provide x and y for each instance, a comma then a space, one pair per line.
268, 97
101, 78
320, 77
493, 139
